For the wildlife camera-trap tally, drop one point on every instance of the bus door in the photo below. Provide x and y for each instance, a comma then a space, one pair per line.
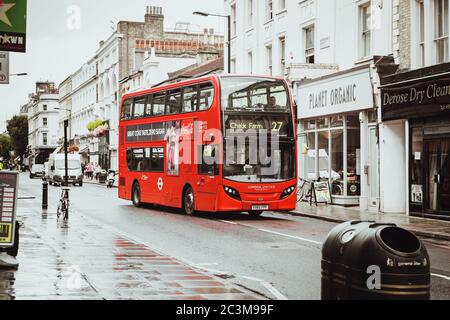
208, 176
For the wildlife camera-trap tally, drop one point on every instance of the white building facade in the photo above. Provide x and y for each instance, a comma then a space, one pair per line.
333, 53
43, 122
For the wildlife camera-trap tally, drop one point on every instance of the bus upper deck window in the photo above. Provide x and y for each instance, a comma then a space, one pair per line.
126, 110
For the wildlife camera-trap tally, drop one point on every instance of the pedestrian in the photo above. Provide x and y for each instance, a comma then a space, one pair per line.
90, 170
97, 170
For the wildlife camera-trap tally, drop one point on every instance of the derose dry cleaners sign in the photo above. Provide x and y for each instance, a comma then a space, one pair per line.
336, 94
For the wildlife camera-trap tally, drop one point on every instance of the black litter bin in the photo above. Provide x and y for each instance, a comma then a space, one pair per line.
102, 176
357, 254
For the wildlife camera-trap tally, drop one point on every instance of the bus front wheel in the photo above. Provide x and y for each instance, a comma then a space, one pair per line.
188, 201
136, 195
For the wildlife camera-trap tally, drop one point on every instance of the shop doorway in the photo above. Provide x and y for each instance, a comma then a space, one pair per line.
437, 176
372, 170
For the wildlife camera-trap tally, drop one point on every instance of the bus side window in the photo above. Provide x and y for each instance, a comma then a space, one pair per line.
209, 161
126, 110
139, 108
173, 105
148, 106
159, 103
190, 99
206, 96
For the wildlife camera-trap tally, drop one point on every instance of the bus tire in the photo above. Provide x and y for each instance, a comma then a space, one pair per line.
136, 195
188, 201
255, 214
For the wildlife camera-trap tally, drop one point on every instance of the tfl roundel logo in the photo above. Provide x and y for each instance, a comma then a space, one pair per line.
160, 184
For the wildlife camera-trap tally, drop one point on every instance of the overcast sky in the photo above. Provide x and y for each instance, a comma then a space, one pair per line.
55, 50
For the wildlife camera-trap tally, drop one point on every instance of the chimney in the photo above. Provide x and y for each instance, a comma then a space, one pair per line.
154, 18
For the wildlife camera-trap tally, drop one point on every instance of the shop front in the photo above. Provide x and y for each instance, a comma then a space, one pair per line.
422, 98
337, 136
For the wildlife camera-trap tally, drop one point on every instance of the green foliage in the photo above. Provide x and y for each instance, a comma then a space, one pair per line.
18, 131
95, 124
5, 146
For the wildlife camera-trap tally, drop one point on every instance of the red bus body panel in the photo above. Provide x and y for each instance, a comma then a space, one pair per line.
209, 192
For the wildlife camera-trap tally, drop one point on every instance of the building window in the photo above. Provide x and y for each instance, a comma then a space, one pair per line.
44, 122
250, 62
44, 107
309, 44
327, 157
44, 139
282, 5
269, 9
249, 13
441, 30
421, 17
233, 20
282, 55
365, 17
269, 59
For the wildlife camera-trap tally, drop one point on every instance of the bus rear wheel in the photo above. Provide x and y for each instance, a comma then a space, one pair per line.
136, 195
188, 201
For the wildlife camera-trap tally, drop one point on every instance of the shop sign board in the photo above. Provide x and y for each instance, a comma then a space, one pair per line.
8, 202
336, 94
13, 25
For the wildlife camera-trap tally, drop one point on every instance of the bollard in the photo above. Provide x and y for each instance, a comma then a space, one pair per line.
44, 196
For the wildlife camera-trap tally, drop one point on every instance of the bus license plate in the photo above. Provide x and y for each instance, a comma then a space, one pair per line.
260, 207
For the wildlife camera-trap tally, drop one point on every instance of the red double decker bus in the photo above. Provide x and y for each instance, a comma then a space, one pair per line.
217, 143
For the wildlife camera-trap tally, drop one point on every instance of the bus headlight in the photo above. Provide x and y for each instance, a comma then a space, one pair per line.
287, 192
232, 193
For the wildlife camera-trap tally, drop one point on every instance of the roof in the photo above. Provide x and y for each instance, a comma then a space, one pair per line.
197, 70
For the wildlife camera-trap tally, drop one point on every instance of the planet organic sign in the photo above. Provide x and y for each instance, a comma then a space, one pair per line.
13, 25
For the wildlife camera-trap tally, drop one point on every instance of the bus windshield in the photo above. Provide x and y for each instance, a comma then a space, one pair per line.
259, 130
254, 94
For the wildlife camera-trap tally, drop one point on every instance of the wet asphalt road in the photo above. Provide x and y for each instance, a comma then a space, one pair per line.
276, 255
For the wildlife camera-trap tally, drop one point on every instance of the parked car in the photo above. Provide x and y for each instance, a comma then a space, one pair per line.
37, 170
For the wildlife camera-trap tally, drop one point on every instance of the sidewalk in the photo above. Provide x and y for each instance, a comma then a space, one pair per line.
424, 227
87, 260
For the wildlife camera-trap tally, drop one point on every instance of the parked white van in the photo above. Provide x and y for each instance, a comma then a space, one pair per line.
56, 169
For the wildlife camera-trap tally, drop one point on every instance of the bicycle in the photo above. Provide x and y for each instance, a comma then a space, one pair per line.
63, 207
304, 190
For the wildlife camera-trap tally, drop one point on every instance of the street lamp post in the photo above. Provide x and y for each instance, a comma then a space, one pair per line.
228, 17
70, 119
66, 145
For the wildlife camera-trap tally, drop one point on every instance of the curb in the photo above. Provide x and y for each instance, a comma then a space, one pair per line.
97, 183
419, 233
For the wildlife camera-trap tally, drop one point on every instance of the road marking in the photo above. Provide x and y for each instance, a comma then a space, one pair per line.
440, 276
289, 236
233, 223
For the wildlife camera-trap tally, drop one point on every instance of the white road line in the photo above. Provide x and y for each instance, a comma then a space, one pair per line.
440, 276
289, 236
233, 223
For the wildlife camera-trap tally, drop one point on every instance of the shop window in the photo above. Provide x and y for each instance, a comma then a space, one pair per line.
337, 162
323, 123
353, 121
310, 124
353, 162
337, 121
324, 158
311, 156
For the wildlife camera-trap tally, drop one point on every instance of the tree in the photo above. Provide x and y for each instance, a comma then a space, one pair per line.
18, 131
5, 146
